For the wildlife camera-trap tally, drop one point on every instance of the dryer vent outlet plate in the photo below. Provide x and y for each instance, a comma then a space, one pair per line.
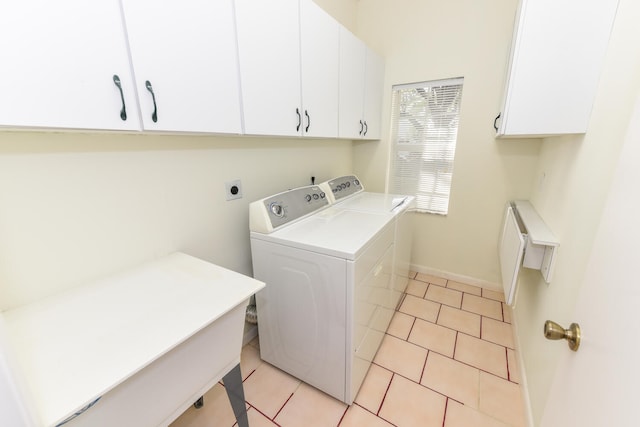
233, 189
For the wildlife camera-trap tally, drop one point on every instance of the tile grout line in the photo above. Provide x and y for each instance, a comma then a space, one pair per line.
455, 346
462, 301
344, 414
506, 355
264, 415
481, 289
456, 330
394, 374
438, 315
444, 416
411, 328
471, 312
424, 367
385, 393
281, 408
444, 355
247, 376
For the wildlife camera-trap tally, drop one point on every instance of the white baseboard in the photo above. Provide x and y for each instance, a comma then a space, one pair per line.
524, 387
458, 277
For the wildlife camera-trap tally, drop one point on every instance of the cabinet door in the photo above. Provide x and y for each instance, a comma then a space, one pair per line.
59, 63
373, 91
319, 34
187, 52
352, 86
269, 53
555, 67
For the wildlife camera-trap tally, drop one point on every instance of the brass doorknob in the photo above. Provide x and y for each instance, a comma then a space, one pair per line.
553, 331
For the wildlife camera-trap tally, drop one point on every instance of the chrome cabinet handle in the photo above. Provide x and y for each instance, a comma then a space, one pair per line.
361, 127
123, 111
154, 115
366, 128
495, 122
308, 121
299, 120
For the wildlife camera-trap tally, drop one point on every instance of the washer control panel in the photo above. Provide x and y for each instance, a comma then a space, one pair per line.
343, 186
272, 212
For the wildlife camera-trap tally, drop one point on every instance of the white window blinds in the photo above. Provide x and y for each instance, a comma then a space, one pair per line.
424, 132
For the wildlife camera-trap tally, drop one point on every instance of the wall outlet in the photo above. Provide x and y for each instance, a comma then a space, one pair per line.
233, 189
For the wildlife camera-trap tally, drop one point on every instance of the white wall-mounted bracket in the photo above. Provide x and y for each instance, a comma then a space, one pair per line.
541, 246
525, 241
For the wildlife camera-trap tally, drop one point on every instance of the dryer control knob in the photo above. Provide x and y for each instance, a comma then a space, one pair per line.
277, 209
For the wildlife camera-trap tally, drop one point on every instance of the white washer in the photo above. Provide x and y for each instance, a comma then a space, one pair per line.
327, 301
347, 192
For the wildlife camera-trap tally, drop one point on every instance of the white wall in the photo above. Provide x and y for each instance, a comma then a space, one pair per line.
431, 39
75, 206
569, 191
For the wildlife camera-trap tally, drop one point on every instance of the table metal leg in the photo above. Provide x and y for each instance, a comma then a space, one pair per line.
235, 391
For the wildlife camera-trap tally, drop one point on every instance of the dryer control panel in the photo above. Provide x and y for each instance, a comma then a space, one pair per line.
268, 214
344, 186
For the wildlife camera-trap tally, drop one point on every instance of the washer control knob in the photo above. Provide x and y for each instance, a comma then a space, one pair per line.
357, 183
276, 209
322, 195
307, 197
315, 196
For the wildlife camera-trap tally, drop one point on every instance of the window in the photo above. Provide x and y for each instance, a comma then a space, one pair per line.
424, 132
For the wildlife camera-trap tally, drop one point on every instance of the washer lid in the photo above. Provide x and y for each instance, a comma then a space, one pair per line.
336, 232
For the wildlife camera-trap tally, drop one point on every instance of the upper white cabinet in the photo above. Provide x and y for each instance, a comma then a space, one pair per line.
361, 82
276, 68
320, 45
373, 92
289, 68
65, 65
556, 58
185, 63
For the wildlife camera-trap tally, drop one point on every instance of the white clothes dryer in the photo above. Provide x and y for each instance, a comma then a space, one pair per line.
347, 192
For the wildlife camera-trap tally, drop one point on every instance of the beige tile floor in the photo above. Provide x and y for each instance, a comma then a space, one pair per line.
447, 360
